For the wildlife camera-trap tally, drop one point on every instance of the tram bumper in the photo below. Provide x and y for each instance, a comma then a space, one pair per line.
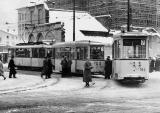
136, 78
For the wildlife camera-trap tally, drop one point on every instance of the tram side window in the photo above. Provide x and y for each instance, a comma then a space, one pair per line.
22, 52
134, 48
82, 53
41, 52
11, 52
35, 52
57, 53
97, 52
50, 52
117, 49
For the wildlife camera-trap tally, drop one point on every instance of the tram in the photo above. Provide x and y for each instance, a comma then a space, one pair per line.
130, 57
30, 55
79, 51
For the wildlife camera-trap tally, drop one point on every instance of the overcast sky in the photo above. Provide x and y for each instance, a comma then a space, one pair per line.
8, 10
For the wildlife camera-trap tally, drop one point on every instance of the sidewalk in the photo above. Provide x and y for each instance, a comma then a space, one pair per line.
22, 82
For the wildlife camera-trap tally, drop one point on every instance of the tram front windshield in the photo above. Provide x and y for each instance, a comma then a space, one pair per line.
134, 48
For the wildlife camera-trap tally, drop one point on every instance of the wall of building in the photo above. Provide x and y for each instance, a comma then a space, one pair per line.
29, 17
143, 12
34, 25
8, 39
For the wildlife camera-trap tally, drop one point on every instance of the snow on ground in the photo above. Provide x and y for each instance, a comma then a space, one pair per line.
31, 81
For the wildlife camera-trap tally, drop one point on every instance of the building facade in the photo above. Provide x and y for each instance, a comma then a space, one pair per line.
144, 13
34, 25
6, 40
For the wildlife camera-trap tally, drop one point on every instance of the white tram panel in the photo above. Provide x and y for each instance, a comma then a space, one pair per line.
130, 69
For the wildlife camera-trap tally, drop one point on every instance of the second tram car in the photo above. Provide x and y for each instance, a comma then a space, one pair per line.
130, 57
79, 51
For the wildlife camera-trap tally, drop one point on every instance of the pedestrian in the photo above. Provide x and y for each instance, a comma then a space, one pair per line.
11, 67
64, 65
45, 68
1, 69
108, 68
152, 64
50, 67
69, 66
87, 72
157, 64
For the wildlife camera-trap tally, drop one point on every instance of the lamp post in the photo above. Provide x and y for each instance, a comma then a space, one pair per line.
128, 17
73, 20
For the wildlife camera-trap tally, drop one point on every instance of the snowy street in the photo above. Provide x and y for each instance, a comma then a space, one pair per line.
28, 93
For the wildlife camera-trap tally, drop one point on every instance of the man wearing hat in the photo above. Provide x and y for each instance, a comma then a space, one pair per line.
108, 68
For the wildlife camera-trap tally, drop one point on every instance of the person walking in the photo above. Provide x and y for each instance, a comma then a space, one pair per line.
69, 66
152, 65
157, 64
45, 68
50, 67
64, 65
87, 73
108, 68
11, 67
1, 70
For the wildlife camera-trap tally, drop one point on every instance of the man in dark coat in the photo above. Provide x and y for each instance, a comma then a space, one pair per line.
64, 64
69, 66
50, 66
157, 64
87, 72
11, 67
45, 68
152, 64
108, 68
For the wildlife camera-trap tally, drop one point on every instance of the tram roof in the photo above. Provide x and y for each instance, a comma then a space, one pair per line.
131, 34
32, 46
77, 43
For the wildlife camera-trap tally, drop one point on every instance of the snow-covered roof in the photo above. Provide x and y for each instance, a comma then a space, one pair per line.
83, 22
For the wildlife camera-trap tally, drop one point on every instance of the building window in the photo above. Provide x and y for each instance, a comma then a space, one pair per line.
40, 16
31, 16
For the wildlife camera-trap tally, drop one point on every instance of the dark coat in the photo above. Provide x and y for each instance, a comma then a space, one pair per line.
50, 65
87, 72
108, 67
12, 66
1, 69
64, 64
45, 67
157, 64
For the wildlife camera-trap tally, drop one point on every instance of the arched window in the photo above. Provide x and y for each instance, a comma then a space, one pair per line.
50, 36
40, 37
31, 38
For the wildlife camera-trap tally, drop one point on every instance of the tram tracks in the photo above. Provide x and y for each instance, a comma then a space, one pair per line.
39, 85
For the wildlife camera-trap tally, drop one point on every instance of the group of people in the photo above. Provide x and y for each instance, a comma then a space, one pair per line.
11, 67
154, 64
87, 71
47, 68
66, 63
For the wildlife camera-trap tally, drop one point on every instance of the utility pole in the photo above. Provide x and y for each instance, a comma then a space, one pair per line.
73, 20
128, 17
